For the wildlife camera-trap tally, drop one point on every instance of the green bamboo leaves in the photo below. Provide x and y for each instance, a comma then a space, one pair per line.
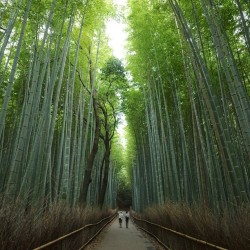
46, 118
196, 135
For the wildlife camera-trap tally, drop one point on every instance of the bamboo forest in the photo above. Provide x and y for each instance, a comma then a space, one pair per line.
181, 95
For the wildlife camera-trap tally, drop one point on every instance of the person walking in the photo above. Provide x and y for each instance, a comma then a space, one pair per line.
127, 218
120, 217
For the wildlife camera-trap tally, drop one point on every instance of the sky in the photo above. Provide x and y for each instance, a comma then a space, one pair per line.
117, 38
116, 32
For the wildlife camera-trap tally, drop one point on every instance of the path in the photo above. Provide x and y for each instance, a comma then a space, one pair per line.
116, 238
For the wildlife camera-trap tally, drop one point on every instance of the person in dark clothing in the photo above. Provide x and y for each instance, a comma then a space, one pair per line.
127, 218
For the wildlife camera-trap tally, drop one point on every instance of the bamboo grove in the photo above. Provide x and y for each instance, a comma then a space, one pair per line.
54, 100
190, 94
187, 105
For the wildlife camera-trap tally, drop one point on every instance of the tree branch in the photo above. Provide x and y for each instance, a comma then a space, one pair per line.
80, 78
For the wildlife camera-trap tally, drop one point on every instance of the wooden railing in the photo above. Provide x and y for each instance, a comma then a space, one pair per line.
165, 235
89, 232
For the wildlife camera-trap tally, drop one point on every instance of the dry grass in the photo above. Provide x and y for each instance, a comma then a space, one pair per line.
230, 229
27, 230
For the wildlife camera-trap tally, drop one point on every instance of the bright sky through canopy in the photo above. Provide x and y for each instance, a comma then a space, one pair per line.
116, 33
117, 36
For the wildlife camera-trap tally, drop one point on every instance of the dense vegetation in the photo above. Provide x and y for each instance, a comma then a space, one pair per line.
57, 84
57, 118
186, 102
190, 64
188, 113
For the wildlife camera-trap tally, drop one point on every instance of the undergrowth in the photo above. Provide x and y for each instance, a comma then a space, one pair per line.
229, 229
20, 229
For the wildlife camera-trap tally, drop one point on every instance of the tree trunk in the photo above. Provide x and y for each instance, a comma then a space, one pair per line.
104, 182
94, 150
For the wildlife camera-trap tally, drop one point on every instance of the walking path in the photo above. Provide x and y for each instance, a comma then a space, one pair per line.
116, 238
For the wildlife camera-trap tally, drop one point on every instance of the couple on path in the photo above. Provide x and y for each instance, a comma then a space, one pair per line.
120, 217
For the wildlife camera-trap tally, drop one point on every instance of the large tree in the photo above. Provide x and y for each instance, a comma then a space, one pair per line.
113, 83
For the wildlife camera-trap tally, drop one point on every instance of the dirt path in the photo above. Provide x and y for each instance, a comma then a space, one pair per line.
116, 238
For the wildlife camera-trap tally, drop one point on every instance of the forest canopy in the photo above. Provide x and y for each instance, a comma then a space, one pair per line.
186, 102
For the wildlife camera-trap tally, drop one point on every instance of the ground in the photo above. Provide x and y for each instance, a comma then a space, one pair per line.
113, 237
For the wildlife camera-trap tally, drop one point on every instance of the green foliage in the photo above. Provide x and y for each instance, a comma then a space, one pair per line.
121, 157
133, 107
187, 71
187, 105
113, 81
46, 121
114, 70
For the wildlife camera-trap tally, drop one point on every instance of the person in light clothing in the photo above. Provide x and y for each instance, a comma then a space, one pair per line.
120, 217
